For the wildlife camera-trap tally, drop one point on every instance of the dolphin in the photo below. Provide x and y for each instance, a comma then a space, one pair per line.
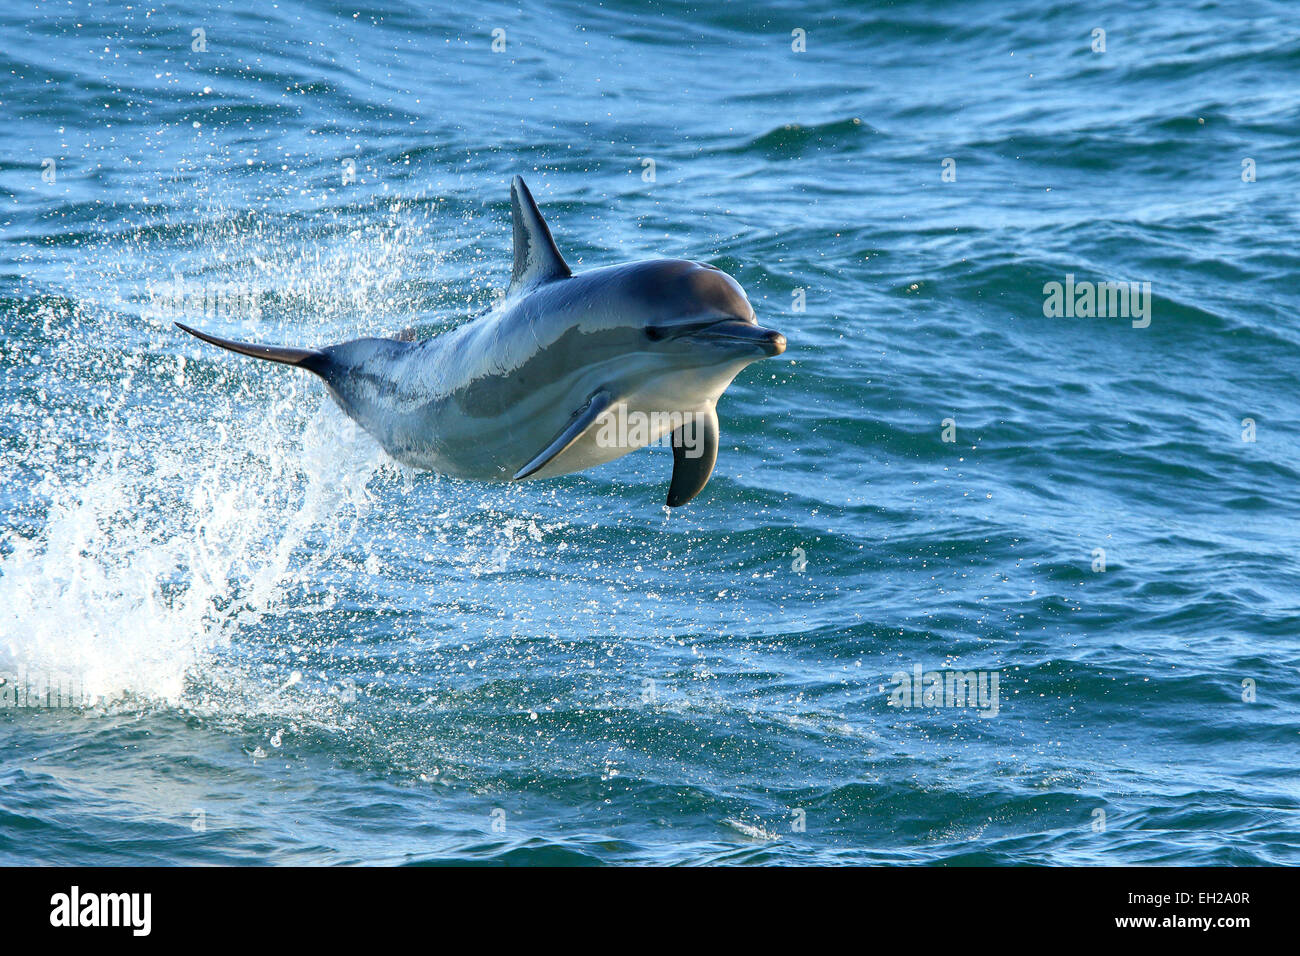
567, 372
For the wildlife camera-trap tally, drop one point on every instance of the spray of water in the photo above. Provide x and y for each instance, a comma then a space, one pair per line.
166, 502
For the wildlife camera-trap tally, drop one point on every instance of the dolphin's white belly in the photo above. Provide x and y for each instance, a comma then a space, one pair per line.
623, 429
662, 403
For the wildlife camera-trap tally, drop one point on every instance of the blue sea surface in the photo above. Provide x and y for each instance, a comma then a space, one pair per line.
254, 638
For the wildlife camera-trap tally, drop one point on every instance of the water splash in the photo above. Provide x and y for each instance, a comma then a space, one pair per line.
176, 501
127, 596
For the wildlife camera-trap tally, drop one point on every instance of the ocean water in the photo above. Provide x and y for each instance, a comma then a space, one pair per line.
270, 644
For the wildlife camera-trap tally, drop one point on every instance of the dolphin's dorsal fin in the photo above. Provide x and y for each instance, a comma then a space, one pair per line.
536, 258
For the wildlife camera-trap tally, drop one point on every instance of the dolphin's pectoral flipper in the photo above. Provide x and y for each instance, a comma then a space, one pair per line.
537, 260
693, 463
582, 419
311, 359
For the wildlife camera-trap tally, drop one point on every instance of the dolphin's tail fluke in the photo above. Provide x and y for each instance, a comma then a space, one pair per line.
311, 359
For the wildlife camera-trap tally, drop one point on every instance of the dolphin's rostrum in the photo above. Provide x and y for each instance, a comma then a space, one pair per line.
523, 391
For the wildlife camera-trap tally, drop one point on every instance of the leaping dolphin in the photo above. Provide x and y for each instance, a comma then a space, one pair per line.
531, 388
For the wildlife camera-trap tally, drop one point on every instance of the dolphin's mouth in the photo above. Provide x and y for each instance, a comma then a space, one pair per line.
728, 333
737, 331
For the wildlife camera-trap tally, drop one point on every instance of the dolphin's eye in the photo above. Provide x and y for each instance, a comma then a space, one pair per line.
653, 333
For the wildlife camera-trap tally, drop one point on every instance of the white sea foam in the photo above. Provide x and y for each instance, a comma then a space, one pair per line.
126, 587
176, 502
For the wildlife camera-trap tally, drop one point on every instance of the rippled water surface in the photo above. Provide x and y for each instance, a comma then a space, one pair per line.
285, 648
